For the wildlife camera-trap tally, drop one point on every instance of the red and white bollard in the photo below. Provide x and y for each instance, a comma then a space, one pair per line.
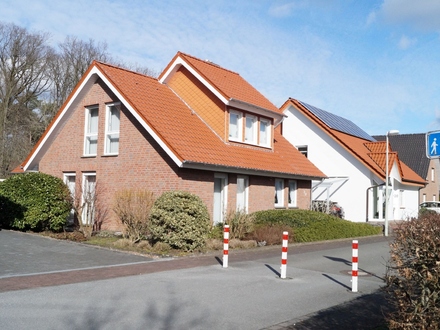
284, 254
354, 267
225, 246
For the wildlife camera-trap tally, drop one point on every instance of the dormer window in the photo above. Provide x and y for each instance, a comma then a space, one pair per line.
265, 132
235, 125
249, 129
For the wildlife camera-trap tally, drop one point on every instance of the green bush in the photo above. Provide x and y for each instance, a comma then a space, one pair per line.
35, 201
179, 219
412, 280
308, 226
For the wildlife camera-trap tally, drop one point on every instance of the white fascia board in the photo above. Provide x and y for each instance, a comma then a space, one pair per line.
278, 117
91, 78
177, 63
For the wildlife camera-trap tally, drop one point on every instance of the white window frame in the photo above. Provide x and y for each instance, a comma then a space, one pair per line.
243, 196
268, 125
110, 132
223, 196
72, 189
90, 135
293, 188
250, 132
279, 193
239, 135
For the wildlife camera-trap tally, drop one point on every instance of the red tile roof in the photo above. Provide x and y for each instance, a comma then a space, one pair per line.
371, 154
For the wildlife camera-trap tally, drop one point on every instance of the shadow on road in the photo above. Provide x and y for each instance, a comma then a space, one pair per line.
363, 313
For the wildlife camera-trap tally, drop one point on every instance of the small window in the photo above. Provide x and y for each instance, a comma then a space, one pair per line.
112, 130
235, 125
279, 193
265, 132
292, 193
303, 150
251, 129
91, 132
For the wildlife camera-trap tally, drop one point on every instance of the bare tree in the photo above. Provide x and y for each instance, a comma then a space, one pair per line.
72, 61
24, 59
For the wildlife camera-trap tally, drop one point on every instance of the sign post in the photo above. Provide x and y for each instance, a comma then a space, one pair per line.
433, 144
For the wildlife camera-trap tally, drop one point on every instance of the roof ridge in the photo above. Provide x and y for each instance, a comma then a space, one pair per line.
124, 69
208, 62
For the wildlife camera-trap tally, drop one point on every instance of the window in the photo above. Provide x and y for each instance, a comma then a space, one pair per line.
88, 198
70, 181
242, 193
112, 130
235, 125
279, 193
292, 193
91, 132
220, 197
303, 150
424, 198
265, 132
251, 129
256, 130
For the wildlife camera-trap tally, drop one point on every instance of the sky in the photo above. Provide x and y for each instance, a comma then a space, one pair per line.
375, 62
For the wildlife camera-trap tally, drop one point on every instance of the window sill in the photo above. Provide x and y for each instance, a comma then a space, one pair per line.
88, 156
110, 155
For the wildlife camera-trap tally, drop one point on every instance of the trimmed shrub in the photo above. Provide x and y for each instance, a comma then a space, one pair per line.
133, 209
180, 219
412, 281
308, 226
43, 201
240, 224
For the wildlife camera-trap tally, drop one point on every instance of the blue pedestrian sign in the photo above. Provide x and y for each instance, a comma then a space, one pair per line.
433, 144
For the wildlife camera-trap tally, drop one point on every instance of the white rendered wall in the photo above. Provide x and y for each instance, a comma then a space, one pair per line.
332, 159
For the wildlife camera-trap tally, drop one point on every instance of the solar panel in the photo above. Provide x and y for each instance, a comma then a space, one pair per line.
338, 123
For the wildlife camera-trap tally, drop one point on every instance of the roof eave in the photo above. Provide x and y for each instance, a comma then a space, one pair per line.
246, 171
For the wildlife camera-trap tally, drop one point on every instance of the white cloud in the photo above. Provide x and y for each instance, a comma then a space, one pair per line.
421, 14
406, 42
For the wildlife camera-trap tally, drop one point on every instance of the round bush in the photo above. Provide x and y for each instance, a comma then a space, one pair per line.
180, 219
35, 201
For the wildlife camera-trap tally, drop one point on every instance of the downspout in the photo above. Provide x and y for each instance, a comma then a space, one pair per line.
383, 184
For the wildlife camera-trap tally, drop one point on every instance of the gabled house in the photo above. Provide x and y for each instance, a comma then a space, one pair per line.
412, 151
354, 163
198, 127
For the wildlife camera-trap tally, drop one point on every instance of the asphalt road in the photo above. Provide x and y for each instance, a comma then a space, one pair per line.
48, 284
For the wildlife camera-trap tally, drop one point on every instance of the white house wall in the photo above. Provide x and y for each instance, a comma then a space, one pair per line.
331, 158
335, 161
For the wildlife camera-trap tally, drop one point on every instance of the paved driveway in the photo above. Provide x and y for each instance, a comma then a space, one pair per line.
26, 254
